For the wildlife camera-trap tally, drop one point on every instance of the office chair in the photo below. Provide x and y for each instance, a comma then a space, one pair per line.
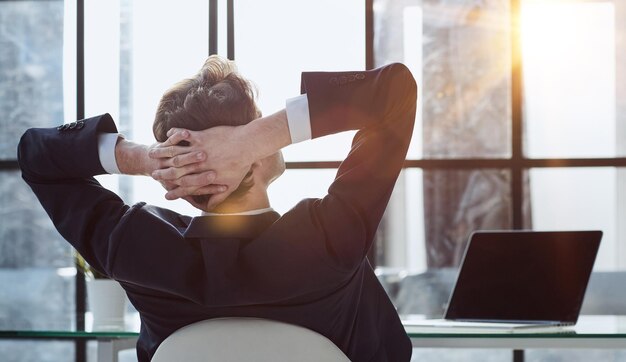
246, 339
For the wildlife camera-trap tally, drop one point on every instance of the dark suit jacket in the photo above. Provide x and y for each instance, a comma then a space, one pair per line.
307, 267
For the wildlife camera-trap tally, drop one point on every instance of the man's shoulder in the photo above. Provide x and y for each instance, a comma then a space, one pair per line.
163, 214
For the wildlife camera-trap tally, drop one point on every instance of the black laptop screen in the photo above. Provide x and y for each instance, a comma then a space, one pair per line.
524, 276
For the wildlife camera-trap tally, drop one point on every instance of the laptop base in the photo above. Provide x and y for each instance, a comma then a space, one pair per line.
451, 326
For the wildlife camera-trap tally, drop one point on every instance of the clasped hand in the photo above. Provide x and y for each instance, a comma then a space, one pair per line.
211, 162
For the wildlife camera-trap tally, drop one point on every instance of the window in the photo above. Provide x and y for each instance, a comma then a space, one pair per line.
128, 66
569, 57
460, 56
36, 279
129, 57
521, 126
473, 168
574, 109
495, 146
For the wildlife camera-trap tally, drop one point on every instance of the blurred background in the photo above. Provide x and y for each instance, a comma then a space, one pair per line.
521, 124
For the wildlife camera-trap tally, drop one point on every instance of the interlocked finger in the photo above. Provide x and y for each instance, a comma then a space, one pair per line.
182, 192
167, 151
173, 131
174, 173
182, 159
197, 179
210, 190
176, 137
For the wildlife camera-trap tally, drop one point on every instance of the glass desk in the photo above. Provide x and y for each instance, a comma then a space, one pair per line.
109, 342
597, 332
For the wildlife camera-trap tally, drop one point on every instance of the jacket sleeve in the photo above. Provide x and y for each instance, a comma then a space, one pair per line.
381, 105
58, 165
137, 245
320, 244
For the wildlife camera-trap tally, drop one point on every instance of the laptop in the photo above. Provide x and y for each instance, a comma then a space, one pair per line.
518, 281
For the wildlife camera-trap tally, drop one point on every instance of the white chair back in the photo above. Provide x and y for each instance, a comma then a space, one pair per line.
246, 339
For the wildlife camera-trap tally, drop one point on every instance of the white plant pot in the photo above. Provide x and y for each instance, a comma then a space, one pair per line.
107, 302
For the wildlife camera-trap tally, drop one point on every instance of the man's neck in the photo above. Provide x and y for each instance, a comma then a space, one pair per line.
253, 200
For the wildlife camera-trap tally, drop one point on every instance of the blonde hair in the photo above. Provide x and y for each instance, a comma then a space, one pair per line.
216, 96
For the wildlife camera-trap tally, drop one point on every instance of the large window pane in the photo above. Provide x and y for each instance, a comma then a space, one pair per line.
459, 202
36, 264
27, 236
169, 43
582, 198
574, 106
135, 51
459, 52
276, 40
31, 69
295, 185
433, 212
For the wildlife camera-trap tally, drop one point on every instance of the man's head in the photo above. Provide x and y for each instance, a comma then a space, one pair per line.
216, 96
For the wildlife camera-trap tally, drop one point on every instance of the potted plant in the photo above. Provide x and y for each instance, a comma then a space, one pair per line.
105, 298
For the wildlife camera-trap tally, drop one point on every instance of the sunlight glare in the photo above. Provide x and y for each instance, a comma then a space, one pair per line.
568, 57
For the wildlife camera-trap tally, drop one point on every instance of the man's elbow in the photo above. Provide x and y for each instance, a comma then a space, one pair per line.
404, 83
401, 92
26, 156
22, 149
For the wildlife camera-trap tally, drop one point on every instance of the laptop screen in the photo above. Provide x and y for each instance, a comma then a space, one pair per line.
524, 276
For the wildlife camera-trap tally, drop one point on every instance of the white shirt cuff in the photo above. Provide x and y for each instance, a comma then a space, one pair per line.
298, 118
106, 151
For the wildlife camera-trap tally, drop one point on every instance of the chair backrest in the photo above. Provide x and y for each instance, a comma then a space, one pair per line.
246, 339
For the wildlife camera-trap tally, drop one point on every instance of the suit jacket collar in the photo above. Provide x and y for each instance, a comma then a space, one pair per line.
230, 226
